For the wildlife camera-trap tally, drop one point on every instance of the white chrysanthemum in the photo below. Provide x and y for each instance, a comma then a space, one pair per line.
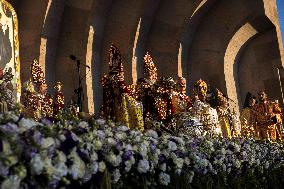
128, 165
122, 128
116, 175
164, 178
203, 162
100, 121
237, 164
143, 150
143, 166
47, 142
94, 156
97, 144
132, 160
111, 141
266, 165
102, 166
78, 167
128, 147
25, 124
108, 133
187, 161
12, 182
179, 162
83, 124
62, 138
151, 133
95, 167
37, 164
163, 167
61, 170
113, 159
120, 135
172, 146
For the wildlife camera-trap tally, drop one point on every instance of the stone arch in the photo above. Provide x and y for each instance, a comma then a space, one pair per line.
165, 35
257, 66
188, 35
120, 29
234, 51
238, 41
49, 39
128, 28
214, 31
31, 17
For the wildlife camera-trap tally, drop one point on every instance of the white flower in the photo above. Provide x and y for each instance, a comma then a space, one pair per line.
95, 167
128, 165
179, 162
128, 147
47, 142
102, 166
61, 157
120, 135
94, 156
122, 128
13, 182
172, 146
257, 162
164, 178
143, 150
97, 145
26, 124
190, 176
111, 141
224, 167
266, 165
143, 166
83, 124
204, 162
223, 151
187, 161
116, 175
137, 138
151, 133
101, 135
78, 167
163, 167
178, 171
237, 164
62, 137
61, 170
100, 121
108, 133
37, 164
113, 159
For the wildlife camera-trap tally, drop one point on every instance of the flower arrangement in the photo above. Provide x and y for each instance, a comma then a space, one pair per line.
74, 153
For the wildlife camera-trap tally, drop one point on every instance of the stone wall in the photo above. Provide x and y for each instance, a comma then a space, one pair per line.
185, 37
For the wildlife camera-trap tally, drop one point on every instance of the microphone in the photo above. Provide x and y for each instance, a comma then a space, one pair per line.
73, 57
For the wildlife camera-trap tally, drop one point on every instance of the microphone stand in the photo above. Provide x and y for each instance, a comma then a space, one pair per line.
79, 90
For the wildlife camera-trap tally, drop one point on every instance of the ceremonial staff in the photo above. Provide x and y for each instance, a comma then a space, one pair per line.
280, 83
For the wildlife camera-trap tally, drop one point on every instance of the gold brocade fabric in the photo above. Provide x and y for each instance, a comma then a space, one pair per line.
266, 127
128, 112
180, 103
225, 127
248, 122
